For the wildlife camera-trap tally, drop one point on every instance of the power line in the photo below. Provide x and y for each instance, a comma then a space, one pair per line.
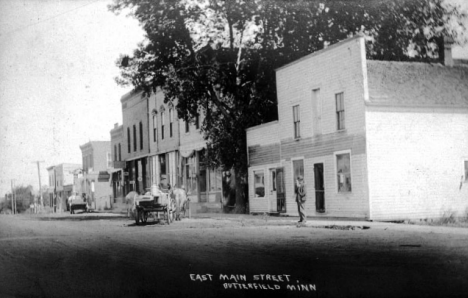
48, 19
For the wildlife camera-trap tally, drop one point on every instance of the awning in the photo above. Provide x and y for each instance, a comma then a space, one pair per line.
189, 149
137, 157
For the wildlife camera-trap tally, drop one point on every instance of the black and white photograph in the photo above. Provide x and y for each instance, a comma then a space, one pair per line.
233, 148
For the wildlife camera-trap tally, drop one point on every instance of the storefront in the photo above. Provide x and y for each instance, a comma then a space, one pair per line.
138, 178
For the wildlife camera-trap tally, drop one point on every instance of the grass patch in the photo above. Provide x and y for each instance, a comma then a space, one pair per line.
448, 219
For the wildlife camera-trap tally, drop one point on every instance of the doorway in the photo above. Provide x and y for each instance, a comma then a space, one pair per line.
272, 197
319, 188
280, 191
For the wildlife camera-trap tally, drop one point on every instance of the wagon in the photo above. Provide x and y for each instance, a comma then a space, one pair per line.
148, 203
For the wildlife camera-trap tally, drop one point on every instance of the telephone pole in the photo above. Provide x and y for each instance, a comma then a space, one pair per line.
13, 197
40, 184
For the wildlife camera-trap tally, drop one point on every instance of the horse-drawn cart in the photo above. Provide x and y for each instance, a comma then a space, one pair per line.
154, 203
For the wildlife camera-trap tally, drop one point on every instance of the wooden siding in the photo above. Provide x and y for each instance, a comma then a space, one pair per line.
266, 154
323, 145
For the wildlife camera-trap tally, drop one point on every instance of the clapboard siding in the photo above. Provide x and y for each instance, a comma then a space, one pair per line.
266, 154
324, 145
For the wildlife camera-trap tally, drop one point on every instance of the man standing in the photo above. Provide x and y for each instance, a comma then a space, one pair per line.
300, 192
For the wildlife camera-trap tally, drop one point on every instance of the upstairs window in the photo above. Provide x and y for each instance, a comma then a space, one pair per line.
197, 121
155, 128
141, 135
128, 140
120, 153
134, 138
171, 120
187, 126
115, 152
340, 111
162, 125
316, 112
297, 122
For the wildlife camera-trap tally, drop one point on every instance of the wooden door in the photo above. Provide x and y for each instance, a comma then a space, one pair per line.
280, 191
319, 188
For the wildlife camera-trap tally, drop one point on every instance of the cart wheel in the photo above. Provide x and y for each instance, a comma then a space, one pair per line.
137, 216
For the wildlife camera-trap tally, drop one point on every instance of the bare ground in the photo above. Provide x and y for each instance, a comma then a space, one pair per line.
105, 255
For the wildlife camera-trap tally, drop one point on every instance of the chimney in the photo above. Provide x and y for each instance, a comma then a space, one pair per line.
447, 57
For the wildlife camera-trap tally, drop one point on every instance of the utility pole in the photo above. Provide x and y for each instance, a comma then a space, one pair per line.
40, 184
13, 197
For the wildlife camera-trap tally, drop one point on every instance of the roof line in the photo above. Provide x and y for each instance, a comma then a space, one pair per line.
337, 44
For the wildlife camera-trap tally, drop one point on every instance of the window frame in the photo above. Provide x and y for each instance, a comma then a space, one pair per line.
141, 135
155, 128
129, 141
297, 122
171, 121
162, 125
134, 138
335, 162
340, 111
254, 171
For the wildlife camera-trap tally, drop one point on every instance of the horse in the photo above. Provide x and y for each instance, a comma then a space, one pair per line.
179, 198
130, 202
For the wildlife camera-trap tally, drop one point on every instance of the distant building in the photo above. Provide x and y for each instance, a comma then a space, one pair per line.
135, 147
61, 185
118, 174
95, 184
373, 139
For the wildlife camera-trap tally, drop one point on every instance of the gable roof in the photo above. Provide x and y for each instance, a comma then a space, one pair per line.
416, 84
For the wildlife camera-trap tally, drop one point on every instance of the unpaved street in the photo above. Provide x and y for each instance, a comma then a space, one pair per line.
104, 255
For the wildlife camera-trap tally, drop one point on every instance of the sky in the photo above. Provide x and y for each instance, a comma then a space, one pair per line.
57, 88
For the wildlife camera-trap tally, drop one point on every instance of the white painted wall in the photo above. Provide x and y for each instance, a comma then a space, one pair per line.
415, 160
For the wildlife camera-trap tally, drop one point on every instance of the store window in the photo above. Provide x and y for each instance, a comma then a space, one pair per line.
190, 174
259, 184
343, 169
163, 172
215, 180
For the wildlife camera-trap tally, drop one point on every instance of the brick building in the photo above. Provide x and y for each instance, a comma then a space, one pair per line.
373, 139
118, 173
164, 141
135, 146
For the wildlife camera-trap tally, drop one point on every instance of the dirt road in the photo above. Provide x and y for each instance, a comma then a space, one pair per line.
103, 255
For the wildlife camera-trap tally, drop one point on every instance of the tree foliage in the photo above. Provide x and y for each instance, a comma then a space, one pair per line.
218, 57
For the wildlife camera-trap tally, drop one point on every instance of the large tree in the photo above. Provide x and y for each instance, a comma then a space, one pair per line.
218, 57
